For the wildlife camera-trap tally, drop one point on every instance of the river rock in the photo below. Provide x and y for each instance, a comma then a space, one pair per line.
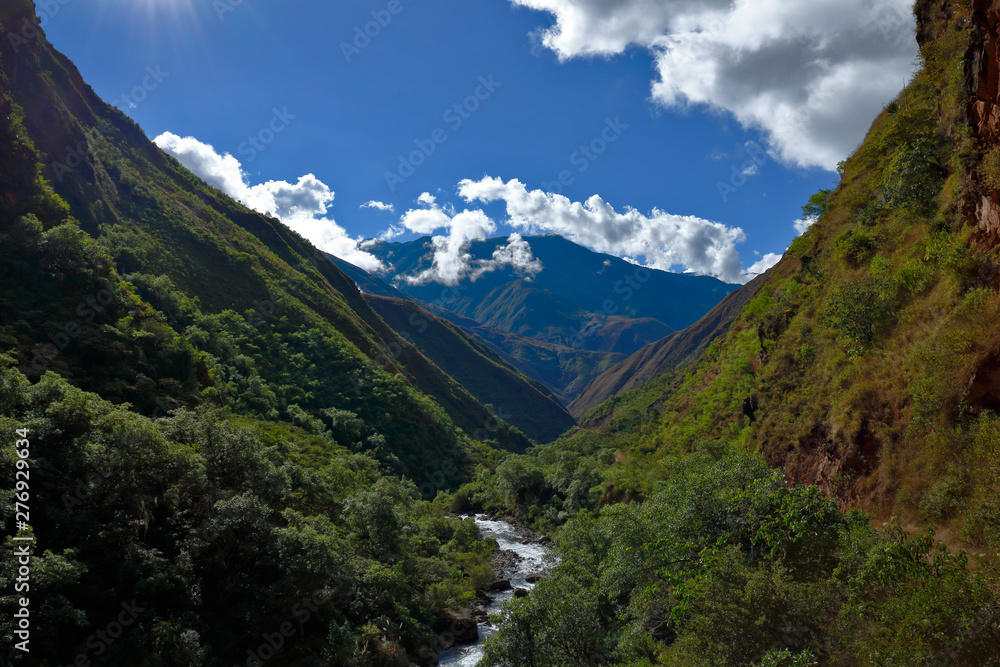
533, 578
520, 593
500, 585
461, 623
504, 560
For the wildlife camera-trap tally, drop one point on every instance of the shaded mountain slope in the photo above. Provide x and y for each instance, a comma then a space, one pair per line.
563, 368
665, 355
523, 402
203, 474
592, 281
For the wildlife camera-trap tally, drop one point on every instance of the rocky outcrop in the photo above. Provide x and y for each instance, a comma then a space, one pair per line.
982, 68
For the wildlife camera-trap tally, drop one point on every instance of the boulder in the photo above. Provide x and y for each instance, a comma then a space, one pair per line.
461, 623
520, 593
533, 578
500, 585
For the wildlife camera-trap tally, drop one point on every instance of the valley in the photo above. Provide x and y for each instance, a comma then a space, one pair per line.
270, 455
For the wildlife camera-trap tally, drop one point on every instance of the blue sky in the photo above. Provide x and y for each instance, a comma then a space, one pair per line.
560, 74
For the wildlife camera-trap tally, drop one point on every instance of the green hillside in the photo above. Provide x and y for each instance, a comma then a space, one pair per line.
521, 401
819, 486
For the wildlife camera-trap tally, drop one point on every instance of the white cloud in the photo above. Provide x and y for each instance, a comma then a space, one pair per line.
427, 198
810, 74
451, 261
381, 206
516, 254
661, 239
802, 225
302, 206
763, 264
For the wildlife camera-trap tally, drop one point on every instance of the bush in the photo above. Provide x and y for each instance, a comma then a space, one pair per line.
858, 312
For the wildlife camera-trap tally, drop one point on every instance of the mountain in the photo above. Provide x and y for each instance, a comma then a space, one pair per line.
521, 401
210, 265
865, 360
581, 314
659, 358
571, 274
562, 369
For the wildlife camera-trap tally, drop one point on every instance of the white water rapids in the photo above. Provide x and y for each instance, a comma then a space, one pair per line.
533, 562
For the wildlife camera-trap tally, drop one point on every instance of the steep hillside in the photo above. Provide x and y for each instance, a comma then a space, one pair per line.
192, 476
665, 355
866, 362
267, 312
523, 402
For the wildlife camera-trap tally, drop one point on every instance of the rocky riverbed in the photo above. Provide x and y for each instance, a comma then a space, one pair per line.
518, 566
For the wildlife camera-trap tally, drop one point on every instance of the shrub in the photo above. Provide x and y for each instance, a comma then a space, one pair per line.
855, 247
857, 312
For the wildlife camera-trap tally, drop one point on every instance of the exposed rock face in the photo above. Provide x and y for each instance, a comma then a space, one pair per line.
983, 77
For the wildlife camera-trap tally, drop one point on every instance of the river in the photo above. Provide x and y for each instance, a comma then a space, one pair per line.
533, 562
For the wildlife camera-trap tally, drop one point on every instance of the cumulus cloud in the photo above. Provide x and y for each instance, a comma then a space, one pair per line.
811, 75
451, 261
516, 254
381, 206
802, 225
661, 240
302, 206
763, 264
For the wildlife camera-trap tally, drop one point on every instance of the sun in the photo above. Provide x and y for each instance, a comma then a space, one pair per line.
171, 22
